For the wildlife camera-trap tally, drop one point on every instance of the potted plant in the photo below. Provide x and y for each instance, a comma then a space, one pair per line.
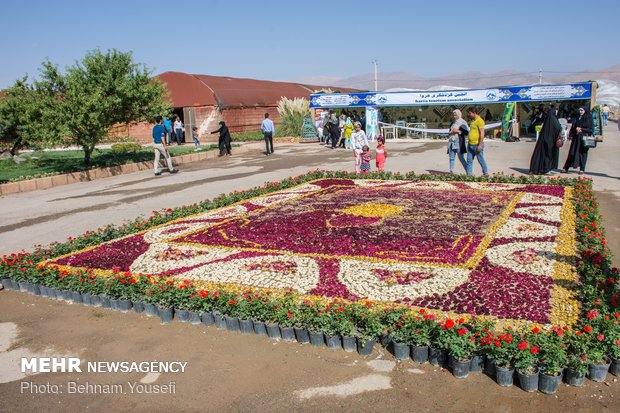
502, 350
553, 360
368, 325
423, 327
460, 344
526, 364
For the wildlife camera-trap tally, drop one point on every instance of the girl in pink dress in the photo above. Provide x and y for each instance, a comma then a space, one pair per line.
381, 153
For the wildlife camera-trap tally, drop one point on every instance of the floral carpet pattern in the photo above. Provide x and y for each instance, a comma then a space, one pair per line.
501, 250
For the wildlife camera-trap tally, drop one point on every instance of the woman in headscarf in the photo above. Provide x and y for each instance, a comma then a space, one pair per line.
348, 130
224, 140
457, 138
546, 155
578, 153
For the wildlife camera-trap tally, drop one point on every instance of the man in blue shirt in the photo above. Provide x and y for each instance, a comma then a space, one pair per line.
168, 127
159, 144
268, 129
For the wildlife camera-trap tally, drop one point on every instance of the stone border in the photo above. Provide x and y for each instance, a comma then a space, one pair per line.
46, 182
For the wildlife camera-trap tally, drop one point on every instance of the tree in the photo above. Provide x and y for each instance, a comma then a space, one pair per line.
102, 90
24, 112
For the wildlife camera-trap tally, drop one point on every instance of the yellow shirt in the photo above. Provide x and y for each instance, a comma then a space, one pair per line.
474, 132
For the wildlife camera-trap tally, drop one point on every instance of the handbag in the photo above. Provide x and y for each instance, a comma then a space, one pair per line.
559, 142
589, 141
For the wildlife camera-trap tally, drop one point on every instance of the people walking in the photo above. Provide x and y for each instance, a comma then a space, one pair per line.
178, 130
224, 139
268, 129
381, 153
578, 152
160, 147
546, 153
475, 144
457, 140
195, 137
605, 114
358, 140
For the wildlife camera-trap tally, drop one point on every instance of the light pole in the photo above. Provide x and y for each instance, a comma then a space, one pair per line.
374, 62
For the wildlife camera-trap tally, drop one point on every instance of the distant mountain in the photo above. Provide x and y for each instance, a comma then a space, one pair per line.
392, 80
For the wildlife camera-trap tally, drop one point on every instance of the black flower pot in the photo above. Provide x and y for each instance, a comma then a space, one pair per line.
232, 323
575, 378
504, 376
105, 301
150, 309
317, 338
35, 289
273, 330
260, 329
365, 346
349, 344
194, 318
477, 363
287, 333
165, 314
23, 286
138, 306
114, 304
87, 299
95, 300
460, 368
246, 326
598, 372
124, 305
44, 291
208, 319
437, 356
333, 342
76, 297
614, 367
182, 316
419, 354
549, 384
400, 351
220, 321
302, 335
7, 283
528, 382
489, 366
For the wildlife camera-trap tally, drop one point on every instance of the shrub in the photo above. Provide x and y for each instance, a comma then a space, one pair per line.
126, 147
292, 112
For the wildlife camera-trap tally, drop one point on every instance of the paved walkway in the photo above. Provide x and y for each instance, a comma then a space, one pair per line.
57, 213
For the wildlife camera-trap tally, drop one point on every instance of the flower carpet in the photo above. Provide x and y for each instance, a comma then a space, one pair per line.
506, 251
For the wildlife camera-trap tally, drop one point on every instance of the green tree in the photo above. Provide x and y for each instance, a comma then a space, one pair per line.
102, 90
24, 113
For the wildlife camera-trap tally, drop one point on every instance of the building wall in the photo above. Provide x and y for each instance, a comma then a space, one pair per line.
238, 120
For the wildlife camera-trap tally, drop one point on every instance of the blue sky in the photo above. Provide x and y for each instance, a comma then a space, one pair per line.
318, 40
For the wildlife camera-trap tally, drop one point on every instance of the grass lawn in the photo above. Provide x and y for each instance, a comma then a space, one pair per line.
42, 163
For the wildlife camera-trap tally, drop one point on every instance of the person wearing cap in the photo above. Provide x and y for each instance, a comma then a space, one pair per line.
268, 129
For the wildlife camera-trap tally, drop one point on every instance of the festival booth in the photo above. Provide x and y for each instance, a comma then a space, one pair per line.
428, 113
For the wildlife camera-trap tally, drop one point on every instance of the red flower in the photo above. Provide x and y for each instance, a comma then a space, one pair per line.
535, 330
592, 314
462, 331
232, 302
289, 315
449, 323
522, 345
587, 329
600, 337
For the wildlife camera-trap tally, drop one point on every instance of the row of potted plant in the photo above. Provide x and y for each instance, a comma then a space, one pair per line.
590, 340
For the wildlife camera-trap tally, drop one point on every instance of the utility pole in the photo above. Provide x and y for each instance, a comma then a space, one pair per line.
539, 75
374, 62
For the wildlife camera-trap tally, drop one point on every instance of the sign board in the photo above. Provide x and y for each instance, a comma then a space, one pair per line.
532, 93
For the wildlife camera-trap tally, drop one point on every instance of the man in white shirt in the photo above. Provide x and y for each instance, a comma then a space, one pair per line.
268, 129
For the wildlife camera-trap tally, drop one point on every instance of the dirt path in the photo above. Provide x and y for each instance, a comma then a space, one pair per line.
234, 372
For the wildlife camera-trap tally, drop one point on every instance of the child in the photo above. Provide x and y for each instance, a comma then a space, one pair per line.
381, 153
195, 137
365, 165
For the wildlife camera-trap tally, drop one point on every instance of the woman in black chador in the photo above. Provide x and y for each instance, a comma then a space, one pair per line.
578, 153
546, 155
224, 140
